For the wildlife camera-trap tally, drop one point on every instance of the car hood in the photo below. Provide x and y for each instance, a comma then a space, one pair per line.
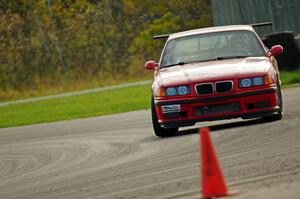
213, 70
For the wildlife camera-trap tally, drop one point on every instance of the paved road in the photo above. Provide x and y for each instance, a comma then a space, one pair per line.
118, 156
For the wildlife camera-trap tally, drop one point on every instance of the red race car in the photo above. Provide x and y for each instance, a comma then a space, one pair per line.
212, 74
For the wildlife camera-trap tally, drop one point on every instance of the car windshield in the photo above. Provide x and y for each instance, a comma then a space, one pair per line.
211, 46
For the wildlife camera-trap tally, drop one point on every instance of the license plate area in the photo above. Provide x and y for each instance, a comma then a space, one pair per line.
217, 109
175, 108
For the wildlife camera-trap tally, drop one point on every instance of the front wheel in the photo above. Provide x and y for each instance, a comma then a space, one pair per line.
158, 130
278, 115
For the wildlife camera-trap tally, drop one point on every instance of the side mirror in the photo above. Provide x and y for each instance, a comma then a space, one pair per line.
276, 50
151, 65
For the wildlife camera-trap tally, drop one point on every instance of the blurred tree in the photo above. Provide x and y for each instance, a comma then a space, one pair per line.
86, 38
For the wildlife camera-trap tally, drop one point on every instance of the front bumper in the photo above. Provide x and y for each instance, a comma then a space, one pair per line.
250, 104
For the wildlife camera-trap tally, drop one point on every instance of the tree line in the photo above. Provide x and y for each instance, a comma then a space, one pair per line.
44, 40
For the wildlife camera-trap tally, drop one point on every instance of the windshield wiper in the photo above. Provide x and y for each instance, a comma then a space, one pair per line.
204, 60
179, 63
183, 63
232, 57
213, 59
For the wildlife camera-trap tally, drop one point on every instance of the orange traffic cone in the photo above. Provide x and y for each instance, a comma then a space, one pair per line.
213, 183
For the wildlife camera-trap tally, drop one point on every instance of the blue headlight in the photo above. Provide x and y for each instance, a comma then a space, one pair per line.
245, 83
171, 91
183, 90
258, 81
179, 90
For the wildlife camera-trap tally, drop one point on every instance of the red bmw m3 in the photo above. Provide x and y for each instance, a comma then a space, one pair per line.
212, 74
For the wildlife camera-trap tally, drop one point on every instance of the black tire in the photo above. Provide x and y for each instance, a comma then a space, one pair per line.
278, 115
279, 94
158, 130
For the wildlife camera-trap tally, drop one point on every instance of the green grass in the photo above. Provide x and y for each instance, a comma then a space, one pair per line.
51, 86
101, 103
290, 77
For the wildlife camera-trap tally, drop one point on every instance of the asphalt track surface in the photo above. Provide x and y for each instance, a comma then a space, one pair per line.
118, 156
